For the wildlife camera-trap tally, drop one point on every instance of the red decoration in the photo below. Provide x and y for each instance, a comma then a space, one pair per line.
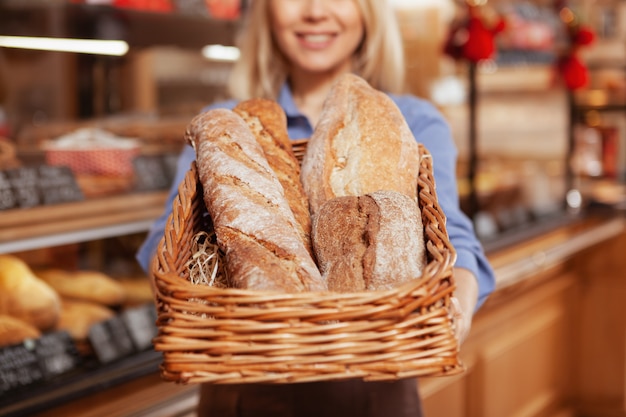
145, 5
224, 9
570, 67
573, 72
474, 38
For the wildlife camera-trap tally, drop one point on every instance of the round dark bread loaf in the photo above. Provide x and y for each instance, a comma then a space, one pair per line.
369, 242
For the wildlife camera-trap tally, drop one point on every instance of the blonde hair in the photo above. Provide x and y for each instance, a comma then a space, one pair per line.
261, 69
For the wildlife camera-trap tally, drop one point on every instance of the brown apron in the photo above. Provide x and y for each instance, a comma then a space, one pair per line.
315, 399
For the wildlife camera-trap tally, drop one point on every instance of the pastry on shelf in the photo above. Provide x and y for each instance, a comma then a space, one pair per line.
86, 285
24, 296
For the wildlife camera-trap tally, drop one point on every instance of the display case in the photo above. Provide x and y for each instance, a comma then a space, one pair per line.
58, 368
101, 229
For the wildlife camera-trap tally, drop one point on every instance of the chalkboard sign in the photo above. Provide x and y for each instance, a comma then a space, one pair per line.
58, 185
57, 353
25, 185
152, 172
7, 198
36, 360
37, 185
111, 340
140, 322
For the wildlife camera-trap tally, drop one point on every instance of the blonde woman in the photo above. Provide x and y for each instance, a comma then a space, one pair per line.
292, 51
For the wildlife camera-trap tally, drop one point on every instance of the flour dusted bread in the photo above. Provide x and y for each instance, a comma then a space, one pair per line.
253, 222
369, 242
14, 331
268, 123
26, 297
361, 144
87, 285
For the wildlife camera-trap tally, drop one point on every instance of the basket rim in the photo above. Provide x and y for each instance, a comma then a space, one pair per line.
190, 187
226, 335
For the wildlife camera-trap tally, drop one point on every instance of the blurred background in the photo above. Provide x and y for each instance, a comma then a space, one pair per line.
513, 117
535, 95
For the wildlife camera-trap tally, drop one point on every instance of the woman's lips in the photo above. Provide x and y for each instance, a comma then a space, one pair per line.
315, 40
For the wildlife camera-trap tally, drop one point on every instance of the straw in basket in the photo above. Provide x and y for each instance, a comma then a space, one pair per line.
224, 335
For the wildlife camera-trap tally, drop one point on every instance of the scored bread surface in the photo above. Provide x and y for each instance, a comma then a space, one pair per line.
253, 222
268, 122
361, 144
372, 242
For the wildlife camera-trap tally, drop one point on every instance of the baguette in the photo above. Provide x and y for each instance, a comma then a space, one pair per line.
267, 121
254, 225
371, 242
361, 144
86, 285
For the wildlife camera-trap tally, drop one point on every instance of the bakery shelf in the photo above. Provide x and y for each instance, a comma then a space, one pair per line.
76, 385
61, 18
45, 226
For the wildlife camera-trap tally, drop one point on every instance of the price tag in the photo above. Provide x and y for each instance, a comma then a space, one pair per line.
19, 366
141, 323
151, 173
111, 340
56, 353
36, 360
38, 185
7, 199
24, 183
58, 185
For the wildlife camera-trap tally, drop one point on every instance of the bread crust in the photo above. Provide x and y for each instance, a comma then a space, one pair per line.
371, 242
77, 317
361, 144
86, 285
253, 222
14, 331
268, 122
25, 296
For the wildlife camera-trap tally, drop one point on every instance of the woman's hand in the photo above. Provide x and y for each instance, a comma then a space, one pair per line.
463, 302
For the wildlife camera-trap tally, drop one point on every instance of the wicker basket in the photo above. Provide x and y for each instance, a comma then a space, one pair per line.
217, 335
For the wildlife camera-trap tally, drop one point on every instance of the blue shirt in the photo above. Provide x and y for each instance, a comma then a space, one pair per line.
429, 128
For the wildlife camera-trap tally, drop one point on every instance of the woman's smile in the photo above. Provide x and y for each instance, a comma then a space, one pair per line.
303, 29
315, 40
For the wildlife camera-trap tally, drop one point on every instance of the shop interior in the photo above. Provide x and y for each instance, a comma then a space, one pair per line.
541, 173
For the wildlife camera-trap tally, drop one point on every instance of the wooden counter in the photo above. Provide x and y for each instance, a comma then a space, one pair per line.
550, 341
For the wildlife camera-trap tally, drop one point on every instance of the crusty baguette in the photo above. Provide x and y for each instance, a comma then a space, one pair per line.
254, 225
361, 144
371, 242
268, 122
86, 285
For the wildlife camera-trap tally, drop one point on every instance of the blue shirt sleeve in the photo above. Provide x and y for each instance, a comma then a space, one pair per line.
431, 129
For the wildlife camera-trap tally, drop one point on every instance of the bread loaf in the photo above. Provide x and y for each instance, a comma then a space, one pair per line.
78, 316
361, 144
26, 297
370, 242
268, 123
137, 291
87, 285
14, 331
254, 225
